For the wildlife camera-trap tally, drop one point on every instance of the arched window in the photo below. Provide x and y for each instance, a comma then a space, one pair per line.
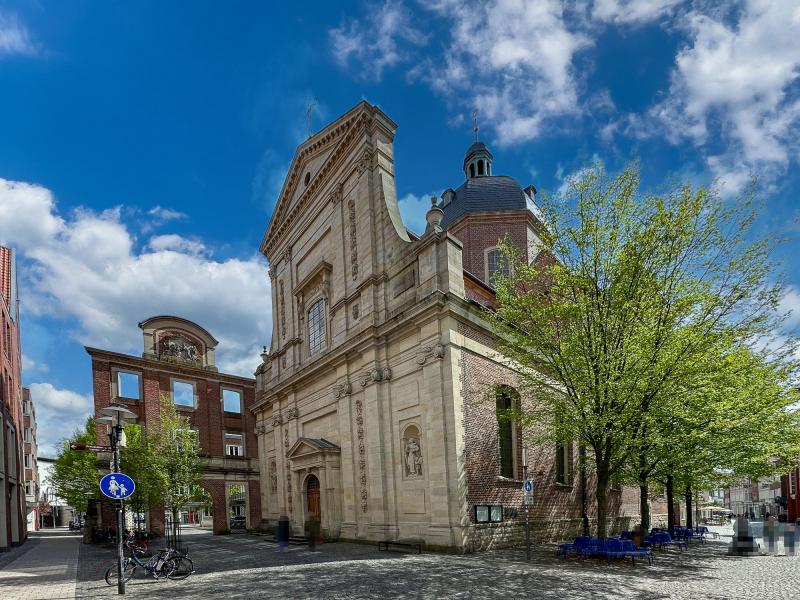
472, 170
496, 264
563, 463
507, 439
316, 326
480, 167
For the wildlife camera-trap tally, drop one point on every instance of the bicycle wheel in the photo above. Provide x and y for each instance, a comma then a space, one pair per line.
178, 567
127, 572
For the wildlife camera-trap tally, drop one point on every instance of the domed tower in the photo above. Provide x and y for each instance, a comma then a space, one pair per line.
486, 208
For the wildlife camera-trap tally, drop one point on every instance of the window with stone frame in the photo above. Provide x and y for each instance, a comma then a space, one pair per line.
564, 463
234, 444
231, 401
496, 264
129, 384
183, 393
316, 327
792, 475
506, 400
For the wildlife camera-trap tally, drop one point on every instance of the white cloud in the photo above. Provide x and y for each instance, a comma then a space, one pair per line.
413, 209
29, 365
177, 243
790, 306
58, 413
512, 60
14, 37
376, 42
85, 268
632, 11
734, 83
166, 214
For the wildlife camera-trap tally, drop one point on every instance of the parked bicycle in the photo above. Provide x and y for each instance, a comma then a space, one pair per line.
166, 564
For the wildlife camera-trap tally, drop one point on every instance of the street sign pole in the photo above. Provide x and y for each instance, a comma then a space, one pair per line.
120, 578
527, 489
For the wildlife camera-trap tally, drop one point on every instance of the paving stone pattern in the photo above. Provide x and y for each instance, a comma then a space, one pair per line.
45, 567
245, 566
249, 567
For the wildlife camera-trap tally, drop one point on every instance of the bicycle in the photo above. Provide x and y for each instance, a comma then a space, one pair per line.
166, 564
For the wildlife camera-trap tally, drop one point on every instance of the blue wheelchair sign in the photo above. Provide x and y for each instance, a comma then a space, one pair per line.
117, 486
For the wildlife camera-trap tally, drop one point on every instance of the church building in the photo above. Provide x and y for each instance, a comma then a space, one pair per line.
377, 403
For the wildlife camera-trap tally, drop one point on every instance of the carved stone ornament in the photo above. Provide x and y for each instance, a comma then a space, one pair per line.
426, 352
351, 216
336, 194
365, 162
282, 306
355, 311
276, 420
179, 349
362, 463
286, 442
342, 389
273, 477
292, 413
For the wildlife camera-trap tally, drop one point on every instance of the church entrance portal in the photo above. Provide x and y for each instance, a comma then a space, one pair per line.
312, 497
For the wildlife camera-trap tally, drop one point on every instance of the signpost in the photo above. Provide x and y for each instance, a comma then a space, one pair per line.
527, 500
117, 486
89, 448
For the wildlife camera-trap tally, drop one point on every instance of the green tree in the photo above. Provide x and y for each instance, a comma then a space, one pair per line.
644, 291
75, 476
173, 455
137, 462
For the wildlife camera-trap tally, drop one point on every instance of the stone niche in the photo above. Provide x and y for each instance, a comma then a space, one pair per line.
177, 340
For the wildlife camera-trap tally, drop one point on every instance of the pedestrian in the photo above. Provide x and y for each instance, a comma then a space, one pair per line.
770, 526
312, 532
788, 537
283, 533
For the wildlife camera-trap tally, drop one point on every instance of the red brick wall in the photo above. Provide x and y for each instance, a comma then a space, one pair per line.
557, 509
480, 232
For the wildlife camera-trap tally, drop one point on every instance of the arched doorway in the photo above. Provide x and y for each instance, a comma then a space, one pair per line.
312, 497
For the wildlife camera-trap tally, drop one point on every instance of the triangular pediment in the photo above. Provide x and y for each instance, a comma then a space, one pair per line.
316, 157
305, 446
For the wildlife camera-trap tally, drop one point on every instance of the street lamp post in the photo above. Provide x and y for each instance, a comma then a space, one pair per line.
527, 504
115, 416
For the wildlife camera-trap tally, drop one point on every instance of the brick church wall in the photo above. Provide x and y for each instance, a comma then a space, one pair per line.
556, 511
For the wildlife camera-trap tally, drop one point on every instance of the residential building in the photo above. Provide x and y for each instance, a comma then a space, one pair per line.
178, 361
379, 402
12, 498
53, 511
30, 460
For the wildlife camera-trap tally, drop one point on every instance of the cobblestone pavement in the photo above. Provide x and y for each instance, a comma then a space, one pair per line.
239, 566
44, 567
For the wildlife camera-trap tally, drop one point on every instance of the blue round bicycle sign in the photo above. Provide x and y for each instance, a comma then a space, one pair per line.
117, 486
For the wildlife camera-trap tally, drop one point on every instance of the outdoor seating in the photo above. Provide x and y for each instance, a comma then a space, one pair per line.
626, 535
631, 550
662, 539
579, 546
613, 549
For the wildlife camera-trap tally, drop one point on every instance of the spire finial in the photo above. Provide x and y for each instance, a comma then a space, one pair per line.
310, 114
475, 123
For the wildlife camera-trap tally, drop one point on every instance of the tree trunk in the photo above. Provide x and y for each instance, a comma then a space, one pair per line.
584, 509
644, 505
689, 507
602, 500
670, 500
175, 527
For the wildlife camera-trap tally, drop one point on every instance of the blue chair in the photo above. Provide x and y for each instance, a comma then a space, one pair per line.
631, 550
626, 535
665, 539
597, 547
578, 546
614, 549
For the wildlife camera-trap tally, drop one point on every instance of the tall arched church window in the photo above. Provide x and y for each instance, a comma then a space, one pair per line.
480, 167
316, 326
507, 439
472, 170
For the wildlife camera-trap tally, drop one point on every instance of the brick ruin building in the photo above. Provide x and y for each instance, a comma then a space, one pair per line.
178, 361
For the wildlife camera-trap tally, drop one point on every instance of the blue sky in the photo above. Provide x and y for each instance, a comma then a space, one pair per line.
142, 144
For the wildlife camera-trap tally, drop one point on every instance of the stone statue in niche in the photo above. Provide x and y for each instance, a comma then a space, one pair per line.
273, 478
412, 454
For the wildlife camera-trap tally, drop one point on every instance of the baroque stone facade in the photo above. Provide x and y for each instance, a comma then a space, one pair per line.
376, 402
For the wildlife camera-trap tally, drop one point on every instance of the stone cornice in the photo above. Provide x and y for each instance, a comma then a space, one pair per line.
166, 367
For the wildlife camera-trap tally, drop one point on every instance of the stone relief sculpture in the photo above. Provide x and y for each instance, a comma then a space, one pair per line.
412, 453
178, 347
273, 477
